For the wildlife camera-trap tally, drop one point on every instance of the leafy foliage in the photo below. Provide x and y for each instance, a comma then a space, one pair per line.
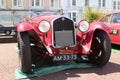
92, 15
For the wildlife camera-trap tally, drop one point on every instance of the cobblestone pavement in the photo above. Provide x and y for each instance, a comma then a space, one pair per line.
9, 62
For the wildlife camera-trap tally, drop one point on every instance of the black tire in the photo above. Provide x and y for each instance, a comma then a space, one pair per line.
101, 49
24, 51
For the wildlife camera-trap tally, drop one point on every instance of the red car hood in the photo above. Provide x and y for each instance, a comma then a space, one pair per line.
48, 18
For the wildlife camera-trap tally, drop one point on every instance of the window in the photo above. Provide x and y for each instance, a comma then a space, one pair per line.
52, 3
118, 5
73, 2
86, 2
2, 3
69, 14
33, 2
114, 5
74, 17
99, 3
17, 3
105, 19
115, 18
103, 3
37, 3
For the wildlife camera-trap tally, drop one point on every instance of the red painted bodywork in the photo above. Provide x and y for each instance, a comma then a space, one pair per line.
115, 38
83, 40
24, 26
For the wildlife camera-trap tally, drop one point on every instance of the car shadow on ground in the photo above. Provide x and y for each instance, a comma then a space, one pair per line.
117, 47
75, 73
8, 40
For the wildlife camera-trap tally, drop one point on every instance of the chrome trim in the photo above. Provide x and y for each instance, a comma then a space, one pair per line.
52, 32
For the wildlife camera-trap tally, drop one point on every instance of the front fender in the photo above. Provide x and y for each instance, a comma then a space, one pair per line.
99, 25
85, 41
23, 26
87, 38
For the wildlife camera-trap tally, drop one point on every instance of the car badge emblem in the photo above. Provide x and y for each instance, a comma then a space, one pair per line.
63, 19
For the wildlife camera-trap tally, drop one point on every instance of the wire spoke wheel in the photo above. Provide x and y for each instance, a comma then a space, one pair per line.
101, 49
24, 51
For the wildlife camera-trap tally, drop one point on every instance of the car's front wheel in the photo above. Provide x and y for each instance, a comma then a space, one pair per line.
24, 51
101, 49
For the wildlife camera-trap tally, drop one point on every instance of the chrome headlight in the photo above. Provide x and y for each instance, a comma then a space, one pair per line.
83, 26
44, 26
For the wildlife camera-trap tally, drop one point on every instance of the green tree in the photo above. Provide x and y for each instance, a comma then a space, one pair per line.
92, 15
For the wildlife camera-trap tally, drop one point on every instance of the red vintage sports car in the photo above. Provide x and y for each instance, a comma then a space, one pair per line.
55, 36
112, 20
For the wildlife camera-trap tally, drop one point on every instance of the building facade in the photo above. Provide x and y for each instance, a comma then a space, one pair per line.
72, 9
29, 4
14, 4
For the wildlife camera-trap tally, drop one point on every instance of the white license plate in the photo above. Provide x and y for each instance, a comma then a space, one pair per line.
65, 57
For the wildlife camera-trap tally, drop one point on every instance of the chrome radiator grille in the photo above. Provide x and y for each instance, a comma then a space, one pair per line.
63, 32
